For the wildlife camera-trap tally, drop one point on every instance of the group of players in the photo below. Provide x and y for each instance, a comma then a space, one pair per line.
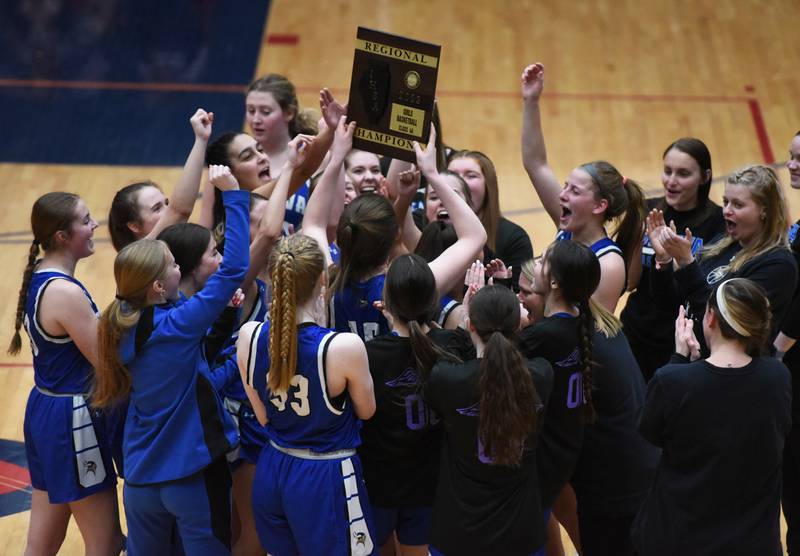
378, 364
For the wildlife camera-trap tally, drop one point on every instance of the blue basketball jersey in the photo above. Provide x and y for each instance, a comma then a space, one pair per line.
259, 313
305, 417
446, 306
602, 246
58, 364
353, 311
296, 207
336, 254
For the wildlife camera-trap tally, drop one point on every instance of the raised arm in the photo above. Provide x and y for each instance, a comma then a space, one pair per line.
269, 229
181, 203
449, 267
206, 218
331, 112
199, 312
534, 154
317, 215
407, 185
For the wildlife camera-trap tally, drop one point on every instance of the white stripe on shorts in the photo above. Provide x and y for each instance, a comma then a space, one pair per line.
360, 539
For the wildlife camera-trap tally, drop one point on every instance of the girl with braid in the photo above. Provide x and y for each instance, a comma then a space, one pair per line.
722, 422
566, 277
489, 493
309, 386
65, 441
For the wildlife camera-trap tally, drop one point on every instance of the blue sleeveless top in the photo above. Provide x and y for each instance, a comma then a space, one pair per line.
296, 207
602, 246
304, 417
58, 364
352, 309
446, 306
259, 313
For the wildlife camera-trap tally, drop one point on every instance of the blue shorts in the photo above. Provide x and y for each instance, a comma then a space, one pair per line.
311, 506
67, 448
411, 524
194, 512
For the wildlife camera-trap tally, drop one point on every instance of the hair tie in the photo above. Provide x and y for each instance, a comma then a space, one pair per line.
726, 315
36, 242
119, 297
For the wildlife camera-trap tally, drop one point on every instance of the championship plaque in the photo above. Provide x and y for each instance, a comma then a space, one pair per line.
392, 92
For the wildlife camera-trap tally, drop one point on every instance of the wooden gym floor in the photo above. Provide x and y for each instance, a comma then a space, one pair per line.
624, 79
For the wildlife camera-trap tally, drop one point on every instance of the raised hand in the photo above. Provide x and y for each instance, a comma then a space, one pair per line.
385, 189
343, 139
408, 183
685, 341
532, 81
474, 280
298, 149
201, 124
426, 160
497, 269
331, 109
221, 178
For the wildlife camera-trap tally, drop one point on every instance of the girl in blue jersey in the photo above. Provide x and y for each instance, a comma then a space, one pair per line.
309, 385
141, 209
274, 119
274, 116
593, 194
365, 236
67, 449
177, 432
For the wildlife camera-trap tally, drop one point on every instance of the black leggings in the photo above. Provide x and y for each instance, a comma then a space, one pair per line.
602, 535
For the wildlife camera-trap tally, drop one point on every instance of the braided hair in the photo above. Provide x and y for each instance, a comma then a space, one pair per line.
576, 270
51, 213
295, 266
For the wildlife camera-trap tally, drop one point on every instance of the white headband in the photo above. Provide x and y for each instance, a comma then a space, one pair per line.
726, 316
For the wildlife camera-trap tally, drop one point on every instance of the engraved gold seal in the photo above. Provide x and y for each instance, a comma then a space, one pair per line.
412, 80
